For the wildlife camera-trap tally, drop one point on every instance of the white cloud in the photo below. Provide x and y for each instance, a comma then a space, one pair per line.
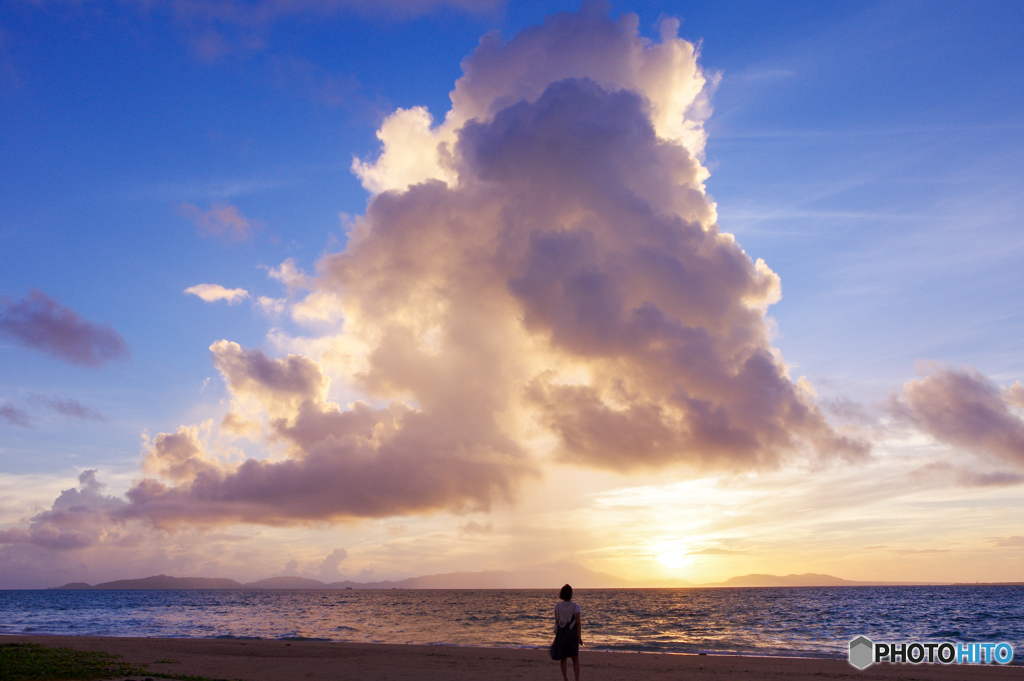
211, 293
271, 306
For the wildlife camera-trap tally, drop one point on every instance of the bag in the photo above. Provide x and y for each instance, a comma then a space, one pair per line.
566, 643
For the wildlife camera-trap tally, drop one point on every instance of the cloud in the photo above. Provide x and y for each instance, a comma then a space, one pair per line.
78, 518
962, 407
473, 527
180, 456
211, 293
329, 568
970, 475
41, 323
271, 306
18, 415
585, 45
1016, 541
281, 386
361, 462
289, 275
540, 279
716, 551
222, 220
552, 237
73, 408
14, 415
1014, 395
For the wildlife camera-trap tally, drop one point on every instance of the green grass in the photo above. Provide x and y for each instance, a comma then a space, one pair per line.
33, 662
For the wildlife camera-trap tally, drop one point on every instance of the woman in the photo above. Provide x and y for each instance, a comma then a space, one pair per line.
568, 633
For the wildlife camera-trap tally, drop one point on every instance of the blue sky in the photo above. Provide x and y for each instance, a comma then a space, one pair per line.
870, 152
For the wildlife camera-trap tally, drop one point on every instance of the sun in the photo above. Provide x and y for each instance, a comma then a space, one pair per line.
672, 554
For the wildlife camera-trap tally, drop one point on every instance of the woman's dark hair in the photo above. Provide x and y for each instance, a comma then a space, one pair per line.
566, 593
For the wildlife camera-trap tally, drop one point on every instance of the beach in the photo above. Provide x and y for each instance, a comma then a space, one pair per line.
271, 660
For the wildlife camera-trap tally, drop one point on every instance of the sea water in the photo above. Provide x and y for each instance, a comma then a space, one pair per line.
795, 621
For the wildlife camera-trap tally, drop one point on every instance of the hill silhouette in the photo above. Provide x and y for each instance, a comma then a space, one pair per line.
549, 576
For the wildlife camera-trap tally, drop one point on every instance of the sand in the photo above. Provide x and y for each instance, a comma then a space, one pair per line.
315, 660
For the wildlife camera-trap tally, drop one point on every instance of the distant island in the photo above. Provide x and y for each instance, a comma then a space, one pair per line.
551, 577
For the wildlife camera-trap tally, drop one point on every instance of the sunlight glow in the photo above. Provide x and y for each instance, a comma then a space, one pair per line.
672, 554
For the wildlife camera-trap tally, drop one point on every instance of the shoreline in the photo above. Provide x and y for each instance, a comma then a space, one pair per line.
306, 660
803, 655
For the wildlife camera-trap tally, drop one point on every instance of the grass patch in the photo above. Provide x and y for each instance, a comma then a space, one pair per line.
33, 662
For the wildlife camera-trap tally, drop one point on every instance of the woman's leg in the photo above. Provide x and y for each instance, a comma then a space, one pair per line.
575, 667
565, 670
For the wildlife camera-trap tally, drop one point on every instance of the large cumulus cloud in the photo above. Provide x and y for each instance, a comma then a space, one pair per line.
538, 278
576, 257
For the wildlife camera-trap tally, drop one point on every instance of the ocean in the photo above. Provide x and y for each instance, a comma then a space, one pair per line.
794, 621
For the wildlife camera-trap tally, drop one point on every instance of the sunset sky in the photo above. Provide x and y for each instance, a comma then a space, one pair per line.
369, 290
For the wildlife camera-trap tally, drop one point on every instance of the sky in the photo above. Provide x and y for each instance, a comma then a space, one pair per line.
353, 290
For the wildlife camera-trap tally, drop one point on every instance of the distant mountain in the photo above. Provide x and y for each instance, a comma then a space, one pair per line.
806, 579
286, 583
161, 582
549, 576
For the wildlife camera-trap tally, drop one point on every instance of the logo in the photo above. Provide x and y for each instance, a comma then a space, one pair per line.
864, 652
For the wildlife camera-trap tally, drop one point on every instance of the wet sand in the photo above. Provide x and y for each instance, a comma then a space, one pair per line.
261, 660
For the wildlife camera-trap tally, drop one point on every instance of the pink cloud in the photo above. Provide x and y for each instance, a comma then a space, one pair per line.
362, 462
964, 408
41, 323
77, 519
222, 220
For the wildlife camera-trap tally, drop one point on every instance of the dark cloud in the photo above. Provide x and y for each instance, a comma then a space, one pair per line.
41, 323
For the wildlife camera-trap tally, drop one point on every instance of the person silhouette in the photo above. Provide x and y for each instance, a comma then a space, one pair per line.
568, 633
